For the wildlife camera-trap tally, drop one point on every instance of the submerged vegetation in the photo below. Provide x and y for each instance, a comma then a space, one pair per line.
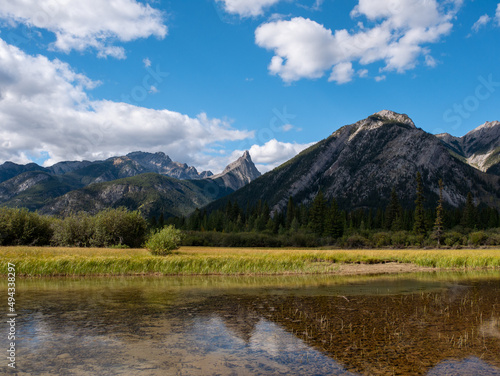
40, 261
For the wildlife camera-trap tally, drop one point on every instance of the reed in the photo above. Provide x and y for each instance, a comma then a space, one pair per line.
41, 261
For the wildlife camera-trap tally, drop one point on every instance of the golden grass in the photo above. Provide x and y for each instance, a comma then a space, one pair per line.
46, 261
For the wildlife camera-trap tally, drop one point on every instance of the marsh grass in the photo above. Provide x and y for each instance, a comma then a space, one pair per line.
40, 261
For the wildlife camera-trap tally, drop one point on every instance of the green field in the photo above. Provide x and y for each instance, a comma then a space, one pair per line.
46, 261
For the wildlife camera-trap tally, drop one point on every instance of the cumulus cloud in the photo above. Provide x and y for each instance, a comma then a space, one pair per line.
95, 24
270, 155
482, 21
247, 8
342, 73
304, 48
44, 108
497, 15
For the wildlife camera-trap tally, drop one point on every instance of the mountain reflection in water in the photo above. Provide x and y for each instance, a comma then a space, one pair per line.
412, 324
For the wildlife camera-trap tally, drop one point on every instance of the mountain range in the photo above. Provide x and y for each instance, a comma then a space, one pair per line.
152, 183
358, 165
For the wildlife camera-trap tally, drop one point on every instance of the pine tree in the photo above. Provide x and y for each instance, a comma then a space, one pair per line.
333, 221
393, 213
419, 223
152, 222
290, 212
438, 225
469, 215
317, 214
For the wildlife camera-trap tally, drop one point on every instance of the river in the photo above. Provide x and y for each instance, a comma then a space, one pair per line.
422, 324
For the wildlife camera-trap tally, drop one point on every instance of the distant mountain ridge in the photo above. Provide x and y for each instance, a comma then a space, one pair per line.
132, 164
150, 182
480, 147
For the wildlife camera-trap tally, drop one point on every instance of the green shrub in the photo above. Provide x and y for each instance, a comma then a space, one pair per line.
118, 227
164, 241
477, 238
453, 239
493, 238
76, 230
415, 240
381, 239
399, 239
355, 241
22, 227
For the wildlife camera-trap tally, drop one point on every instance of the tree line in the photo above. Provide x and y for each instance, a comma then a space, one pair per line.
322, 222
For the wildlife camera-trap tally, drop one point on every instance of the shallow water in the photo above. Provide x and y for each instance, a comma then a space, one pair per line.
435, 324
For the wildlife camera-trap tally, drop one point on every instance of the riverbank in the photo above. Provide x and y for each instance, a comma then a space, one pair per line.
52, 261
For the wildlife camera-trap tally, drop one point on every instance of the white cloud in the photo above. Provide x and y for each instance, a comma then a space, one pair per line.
342, 73
401, 28
273, 153
497, 15
95, 24
44, 107
380, 78
247, 8
482, 21
266, 157
363, 73
147, 62
430, 61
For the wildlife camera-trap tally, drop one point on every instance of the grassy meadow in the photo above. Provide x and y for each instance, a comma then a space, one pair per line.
58, 261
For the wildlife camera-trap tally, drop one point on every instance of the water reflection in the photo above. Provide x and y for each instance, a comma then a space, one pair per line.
436, 324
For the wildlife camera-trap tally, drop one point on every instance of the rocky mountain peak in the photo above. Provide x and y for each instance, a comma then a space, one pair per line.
239, 173
395, 117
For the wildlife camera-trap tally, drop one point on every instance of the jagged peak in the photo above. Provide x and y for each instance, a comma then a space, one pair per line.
394, 116
245, 159
487, 125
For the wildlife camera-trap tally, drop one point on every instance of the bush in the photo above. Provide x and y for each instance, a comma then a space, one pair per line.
381, 239
77, 230
118, 227
453, 239
415, 240
164, 241
399, 239
109, 228
355, 241
22, 227
477, 238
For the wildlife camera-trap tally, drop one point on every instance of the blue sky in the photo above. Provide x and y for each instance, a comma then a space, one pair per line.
204, 80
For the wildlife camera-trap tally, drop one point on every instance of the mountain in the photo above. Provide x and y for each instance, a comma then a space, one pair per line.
33, 186
162, 164
239, 173
360, 163
151, 193
480, 147
34, 189
87, 172
8, 170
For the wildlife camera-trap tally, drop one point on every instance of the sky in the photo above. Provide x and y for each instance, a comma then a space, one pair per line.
205, 80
